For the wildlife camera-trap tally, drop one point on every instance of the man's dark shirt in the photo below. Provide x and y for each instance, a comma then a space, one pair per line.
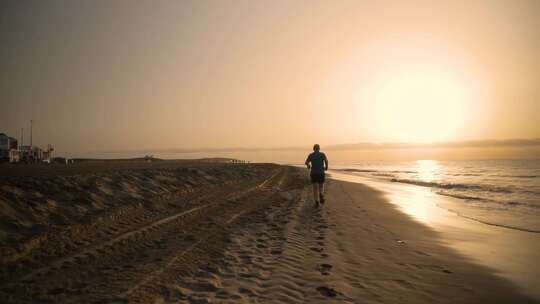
317, 160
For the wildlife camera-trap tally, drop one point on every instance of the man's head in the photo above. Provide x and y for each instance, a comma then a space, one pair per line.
316, 147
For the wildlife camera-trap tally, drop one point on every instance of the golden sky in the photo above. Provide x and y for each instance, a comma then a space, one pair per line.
110, 75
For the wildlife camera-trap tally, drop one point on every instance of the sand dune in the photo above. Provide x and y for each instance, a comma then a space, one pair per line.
222, 234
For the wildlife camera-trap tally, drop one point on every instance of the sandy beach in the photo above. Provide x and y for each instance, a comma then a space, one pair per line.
165, 152
194, 232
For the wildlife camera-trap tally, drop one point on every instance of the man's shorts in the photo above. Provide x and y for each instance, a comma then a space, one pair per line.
317, 178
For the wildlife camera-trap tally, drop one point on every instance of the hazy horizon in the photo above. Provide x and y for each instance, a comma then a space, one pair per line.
465, 150
152, 76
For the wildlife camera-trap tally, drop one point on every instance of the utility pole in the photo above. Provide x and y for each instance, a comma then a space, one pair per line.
22, 137
31, 132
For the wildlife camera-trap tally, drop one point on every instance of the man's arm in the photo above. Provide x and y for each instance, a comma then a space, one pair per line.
325, 163
307, 162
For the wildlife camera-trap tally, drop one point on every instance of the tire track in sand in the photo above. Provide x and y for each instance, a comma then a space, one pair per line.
153, 285
158, 235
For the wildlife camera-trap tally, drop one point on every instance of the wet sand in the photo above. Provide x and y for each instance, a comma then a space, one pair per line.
510, 253
236, 234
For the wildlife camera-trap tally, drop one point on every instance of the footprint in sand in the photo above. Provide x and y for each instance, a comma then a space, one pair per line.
246, 291
324, 269
275, 252
327, 291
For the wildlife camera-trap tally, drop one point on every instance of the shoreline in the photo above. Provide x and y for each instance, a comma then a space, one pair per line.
510, 253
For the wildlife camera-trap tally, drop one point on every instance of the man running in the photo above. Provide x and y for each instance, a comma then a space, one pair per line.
318, 163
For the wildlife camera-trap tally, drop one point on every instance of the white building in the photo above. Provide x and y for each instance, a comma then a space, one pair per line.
9, 149
7, 144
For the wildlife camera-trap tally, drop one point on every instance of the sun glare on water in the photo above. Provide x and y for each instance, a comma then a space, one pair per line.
427, 169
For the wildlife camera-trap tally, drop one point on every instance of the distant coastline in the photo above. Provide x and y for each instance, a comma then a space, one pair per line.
462, 150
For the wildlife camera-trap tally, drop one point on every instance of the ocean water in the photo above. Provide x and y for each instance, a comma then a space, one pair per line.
504, 193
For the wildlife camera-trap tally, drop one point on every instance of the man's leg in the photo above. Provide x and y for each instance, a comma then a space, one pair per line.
321, 192
316, 192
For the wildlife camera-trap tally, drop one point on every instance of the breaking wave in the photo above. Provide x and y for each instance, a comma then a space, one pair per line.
441, 185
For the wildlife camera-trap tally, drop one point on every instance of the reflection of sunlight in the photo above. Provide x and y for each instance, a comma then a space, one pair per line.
427, 169
417, 204
414, 201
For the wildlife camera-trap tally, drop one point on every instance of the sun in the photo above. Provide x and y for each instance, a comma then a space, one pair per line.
419, 106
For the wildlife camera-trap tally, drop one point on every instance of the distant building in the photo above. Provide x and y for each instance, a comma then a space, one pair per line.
14, 156
31, 154
6, 144
47, 155
10, 149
